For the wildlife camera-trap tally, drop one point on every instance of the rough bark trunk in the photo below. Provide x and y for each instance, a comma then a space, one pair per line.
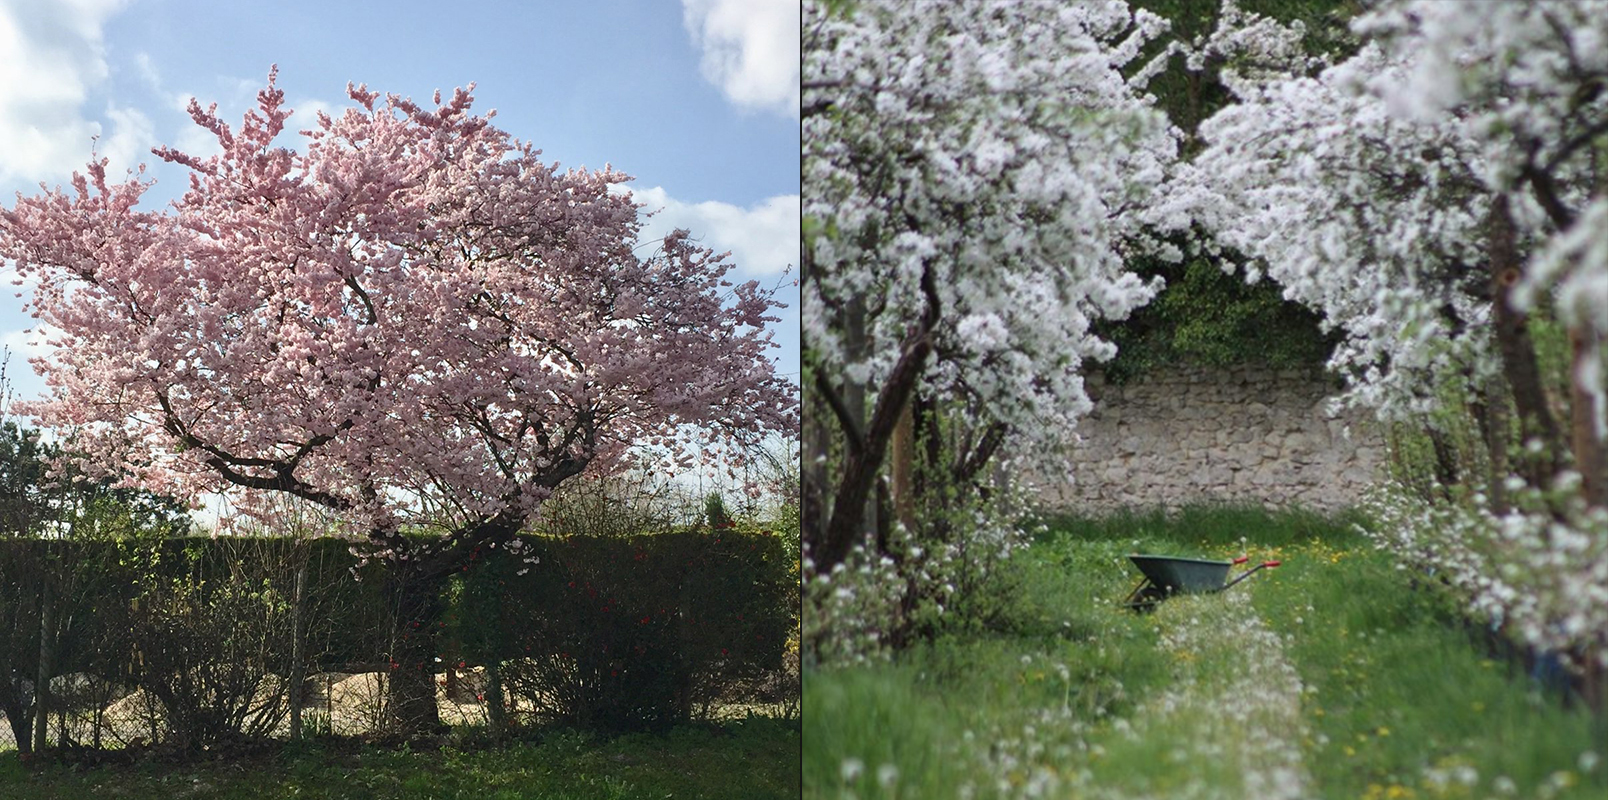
410, 692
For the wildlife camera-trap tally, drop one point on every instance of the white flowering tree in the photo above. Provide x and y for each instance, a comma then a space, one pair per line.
975, 173
1427, 195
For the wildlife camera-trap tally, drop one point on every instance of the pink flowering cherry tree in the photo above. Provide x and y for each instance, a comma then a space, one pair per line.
412, 322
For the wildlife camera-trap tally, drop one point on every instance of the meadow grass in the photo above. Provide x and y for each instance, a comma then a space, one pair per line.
753, 758
1331, 676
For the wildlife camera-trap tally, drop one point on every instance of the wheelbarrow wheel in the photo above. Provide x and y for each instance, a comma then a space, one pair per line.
1146, 597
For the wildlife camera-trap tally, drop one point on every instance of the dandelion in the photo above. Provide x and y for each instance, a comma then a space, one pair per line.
851, 769
887, 775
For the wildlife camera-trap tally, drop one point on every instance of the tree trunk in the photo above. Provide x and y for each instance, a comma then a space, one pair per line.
1590, 457
853, 507
19, 716
47, 666
298, 655
496, 706
1490, 413
854, 502
904, 467
1518, 350
410, 692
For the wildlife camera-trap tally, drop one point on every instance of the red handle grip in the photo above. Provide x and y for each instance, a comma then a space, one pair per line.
1242, 559
1270, 564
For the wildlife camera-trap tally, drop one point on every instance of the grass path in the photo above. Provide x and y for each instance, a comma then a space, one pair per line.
1331, 677
1234, 699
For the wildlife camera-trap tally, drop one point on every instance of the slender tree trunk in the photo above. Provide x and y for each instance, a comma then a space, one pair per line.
904, 467
496, 708
298, 655
1490, 413
1518, 350
1591, 459
857, 484
854, 502
47, 665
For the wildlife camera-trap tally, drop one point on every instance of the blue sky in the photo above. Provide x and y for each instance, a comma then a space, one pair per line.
697, 99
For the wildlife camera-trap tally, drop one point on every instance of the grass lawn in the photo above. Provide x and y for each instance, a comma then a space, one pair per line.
754, 758
1328, 677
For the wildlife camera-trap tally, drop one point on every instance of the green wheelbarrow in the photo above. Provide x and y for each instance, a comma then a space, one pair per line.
1169, 575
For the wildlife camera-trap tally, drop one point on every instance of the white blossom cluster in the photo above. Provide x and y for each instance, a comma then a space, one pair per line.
1366, 218
1527, 83
855, 609
1364, 190
984, 164
1542, 579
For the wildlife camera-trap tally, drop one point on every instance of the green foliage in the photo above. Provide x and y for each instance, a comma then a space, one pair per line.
715, 515
629, 633
1208, 317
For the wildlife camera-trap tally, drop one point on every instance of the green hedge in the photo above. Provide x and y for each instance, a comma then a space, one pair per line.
628, 632
618, 633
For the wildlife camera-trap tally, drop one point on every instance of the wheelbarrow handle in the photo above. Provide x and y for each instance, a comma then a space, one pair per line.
1252, 571
1241, 560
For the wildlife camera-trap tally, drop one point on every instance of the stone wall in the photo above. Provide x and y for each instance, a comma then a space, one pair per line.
1241, 435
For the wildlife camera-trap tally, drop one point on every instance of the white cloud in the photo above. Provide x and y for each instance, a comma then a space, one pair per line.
51, 56
763, 239
26, 344
750, 49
